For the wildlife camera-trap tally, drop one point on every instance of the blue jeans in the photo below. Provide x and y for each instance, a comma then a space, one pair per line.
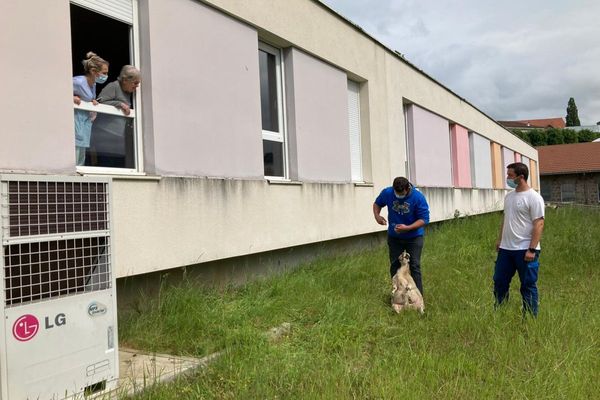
413, 246
509, 261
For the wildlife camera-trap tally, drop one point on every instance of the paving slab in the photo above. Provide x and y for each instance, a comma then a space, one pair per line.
140, 370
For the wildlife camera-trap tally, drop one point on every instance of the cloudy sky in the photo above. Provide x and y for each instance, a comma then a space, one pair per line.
513, 59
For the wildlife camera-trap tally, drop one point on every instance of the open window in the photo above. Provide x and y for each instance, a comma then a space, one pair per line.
272, 111
107, 29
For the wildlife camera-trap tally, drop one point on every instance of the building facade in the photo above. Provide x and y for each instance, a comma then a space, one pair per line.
570, 173
259, 126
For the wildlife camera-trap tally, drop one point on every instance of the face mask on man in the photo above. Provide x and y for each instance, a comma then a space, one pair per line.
512, 183
101, 79
401, 196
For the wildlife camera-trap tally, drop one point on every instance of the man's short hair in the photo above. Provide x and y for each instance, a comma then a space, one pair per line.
401, 184
520, 169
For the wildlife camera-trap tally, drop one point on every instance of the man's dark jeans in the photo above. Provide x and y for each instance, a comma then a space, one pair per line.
413, 246
507, 263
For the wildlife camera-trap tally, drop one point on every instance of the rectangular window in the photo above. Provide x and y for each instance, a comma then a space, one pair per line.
546, 190
567, 192
107, 135
272, 111
354, 131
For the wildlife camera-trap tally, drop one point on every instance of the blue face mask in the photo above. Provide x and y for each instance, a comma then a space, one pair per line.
101, 79
511, 183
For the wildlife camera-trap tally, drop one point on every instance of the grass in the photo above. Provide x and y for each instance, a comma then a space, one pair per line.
346, 343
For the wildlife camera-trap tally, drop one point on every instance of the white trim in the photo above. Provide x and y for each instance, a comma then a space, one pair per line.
136, 110
137, 100
355, 131
121, 10
272, 136
88, 170
103, 108
407, 170
281, 136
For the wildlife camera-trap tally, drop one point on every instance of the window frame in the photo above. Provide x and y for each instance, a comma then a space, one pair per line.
562, 191
134, 46
355, 87
279, 137
546, 191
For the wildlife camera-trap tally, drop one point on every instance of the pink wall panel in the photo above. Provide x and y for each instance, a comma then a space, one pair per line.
461, 162
517, 157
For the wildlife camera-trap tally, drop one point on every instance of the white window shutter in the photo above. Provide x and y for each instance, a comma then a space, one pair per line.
117, 9
354, 130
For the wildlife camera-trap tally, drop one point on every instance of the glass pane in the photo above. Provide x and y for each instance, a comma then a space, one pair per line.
268, 91
112, 143
273, 158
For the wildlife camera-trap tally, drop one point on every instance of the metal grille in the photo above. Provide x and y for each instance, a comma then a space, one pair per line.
35, 271
55, 237
39, 208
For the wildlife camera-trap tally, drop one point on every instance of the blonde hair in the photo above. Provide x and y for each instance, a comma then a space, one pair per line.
93, 61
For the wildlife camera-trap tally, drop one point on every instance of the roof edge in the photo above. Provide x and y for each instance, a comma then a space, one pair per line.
400, 56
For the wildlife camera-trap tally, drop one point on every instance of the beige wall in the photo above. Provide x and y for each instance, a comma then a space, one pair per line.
498, 171
173, 222
201, 117
180, 221
36, 110
533, 172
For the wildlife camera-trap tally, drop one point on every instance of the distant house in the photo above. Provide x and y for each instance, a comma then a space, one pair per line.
593, 128
570, 173
534, 123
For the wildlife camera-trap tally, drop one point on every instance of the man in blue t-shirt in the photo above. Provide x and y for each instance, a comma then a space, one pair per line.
408, 213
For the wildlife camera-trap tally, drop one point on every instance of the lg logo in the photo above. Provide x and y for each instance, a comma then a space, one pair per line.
27, 326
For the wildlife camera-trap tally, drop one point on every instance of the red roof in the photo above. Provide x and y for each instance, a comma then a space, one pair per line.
569, 158
535, 123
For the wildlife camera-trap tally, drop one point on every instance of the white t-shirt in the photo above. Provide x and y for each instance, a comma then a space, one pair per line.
520, 210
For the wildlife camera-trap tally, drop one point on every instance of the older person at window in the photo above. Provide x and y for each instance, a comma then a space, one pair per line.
112, 136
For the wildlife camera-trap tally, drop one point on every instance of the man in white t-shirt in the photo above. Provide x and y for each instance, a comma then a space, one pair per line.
518, 244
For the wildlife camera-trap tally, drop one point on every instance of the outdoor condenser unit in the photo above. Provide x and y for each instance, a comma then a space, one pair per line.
57, 290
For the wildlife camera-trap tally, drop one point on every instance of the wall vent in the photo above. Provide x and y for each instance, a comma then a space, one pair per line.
54, 237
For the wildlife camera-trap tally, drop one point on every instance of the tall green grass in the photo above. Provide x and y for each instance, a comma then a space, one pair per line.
346, 343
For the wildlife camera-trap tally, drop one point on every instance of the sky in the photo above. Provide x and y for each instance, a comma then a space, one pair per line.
512, 59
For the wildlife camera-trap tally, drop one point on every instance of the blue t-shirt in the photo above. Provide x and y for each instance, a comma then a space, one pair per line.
404, 211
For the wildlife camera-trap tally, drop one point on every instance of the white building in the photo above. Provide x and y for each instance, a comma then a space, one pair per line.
259, 126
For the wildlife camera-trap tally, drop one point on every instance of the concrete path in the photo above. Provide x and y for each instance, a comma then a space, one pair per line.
139, 370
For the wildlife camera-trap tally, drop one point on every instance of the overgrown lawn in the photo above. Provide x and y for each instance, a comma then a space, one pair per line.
346, 343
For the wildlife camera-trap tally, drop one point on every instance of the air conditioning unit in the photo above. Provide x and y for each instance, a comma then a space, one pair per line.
57, 288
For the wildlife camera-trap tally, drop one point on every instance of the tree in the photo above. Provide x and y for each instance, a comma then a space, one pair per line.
572, 116
537, 137
570, 136
555, 136
585, 135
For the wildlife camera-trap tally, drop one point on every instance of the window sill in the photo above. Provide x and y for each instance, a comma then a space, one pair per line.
283, 182
118, 174
363, 184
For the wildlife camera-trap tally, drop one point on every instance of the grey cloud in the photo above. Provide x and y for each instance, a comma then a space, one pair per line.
512, 59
